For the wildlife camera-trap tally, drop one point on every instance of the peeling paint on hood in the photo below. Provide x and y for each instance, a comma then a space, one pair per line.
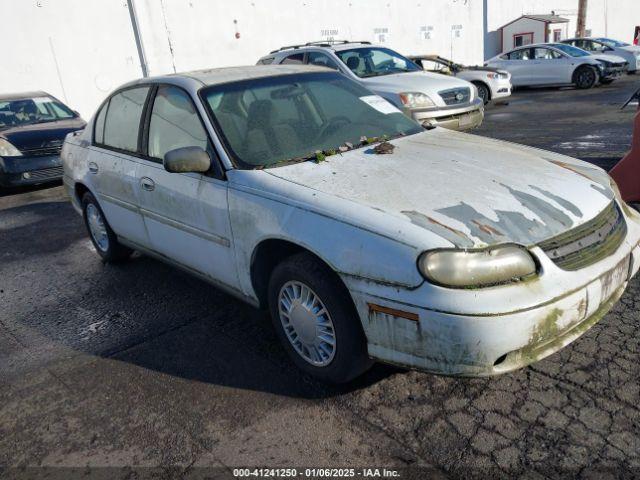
469, 190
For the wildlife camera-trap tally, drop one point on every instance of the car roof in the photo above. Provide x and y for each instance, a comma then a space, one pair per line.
20, 96
197, 79
336, 46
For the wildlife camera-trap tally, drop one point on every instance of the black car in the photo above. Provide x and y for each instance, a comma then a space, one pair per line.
32, 130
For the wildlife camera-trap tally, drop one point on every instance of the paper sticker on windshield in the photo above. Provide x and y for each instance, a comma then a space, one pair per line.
380, 104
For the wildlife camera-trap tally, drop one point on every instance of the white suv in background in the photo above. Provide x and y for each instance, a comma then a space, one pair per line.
429, 98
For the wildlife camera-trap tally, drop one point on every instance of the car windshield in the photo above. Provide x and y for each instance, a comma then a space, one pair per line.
375, 61
27, 111
277, 120
572, 51
611, 43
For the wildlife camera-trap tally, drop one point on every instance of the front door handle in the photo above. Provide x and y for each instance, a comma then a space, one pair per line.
147, 184
93, 167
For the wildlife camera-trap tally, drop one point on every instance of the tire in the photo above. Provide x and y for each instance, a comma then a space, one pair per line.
348, 357
585, 77
483, 92
102, 236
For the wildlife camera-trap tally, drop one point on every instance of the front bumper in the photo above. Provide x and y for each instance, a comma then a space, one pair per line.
501, 89
458, 118
613, 72
20, 171
495, 330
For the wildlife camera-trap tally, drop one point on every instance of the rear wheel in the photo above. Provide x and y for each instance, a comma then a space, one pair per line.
316, 321
586, 77
483, 92
102, 236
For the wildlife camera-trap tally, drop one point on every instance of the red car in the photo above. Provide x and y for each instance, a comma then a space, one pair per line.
626, 173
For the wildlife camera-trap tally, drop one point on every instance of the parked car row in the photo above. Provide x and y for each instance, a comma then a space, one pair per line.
428, 88
609, 47
431, 99
366, 235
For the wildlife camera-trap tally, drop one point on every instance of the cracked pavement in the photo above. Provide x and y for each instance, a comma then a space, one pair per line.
141, 365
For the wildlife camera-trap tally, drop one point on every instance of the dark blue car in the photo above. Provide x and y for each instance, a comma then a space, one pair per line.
32, 130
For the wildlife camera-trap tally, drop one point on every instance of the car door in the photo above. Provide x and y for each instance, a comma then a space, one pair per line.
112, 161
185, 214
551, 67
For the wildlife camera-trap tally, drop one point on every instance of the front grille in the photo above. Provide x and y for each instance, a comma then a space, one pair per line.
456, 96
589, 243
52, 148
45, 173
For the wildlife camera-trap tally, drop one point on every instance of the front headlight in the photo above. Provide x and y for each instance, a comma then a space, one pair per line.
477, 268
416, 100
8, 150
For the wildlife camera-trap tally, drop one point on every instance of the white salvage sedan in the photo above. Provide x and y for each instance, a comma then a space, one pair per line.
558, 64
367, 237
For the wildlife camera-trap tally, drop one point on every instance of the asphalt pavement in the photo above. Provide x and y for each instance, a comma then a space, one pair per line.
138, 370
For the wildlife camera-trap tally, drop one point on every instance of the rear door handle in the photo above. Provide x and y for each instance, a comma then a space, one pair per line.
93, 167
147, 184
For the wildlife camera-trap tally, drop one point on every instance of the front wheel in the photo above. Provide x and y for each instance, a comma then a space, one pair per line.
483, 92
316, 321
586, 77
103, 238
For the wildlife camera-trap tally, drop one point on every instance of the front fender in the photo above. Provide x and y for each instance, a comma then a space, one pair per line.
348, 249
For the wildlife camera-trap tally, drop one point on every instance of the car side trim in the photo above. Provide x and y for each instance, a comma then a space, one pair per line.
118, 202
225, 242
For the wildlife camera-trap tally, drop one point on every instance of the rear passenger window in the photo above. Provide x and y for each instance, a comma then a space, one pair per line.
174, 123
298, 58
99, 127
123, 119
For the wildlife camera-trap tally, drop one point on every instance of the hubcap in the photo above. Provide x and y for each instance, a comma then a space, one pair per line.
97, 228
307, 323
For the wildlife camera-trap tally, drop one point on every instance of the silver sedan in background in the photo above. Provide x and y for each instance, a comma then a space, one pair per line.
558, 64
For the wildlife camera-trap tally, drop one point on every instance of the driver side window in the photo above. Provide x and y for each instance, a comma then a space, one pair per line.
174, 123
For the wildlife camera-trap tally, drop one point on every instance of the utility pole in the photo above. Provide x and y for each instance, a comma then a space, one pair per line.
138, 38
582, 18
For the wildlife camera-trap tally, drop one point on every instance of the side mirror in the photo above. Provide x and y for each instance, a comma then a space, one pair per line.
187, 159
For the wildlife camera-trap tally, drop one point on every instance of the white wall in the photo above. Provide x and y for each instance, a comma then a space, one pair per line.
201, 33
613, 18
77, 50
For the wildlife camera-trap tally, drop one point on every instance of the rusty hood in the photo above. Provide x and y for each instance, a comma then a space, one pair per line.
470, 190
